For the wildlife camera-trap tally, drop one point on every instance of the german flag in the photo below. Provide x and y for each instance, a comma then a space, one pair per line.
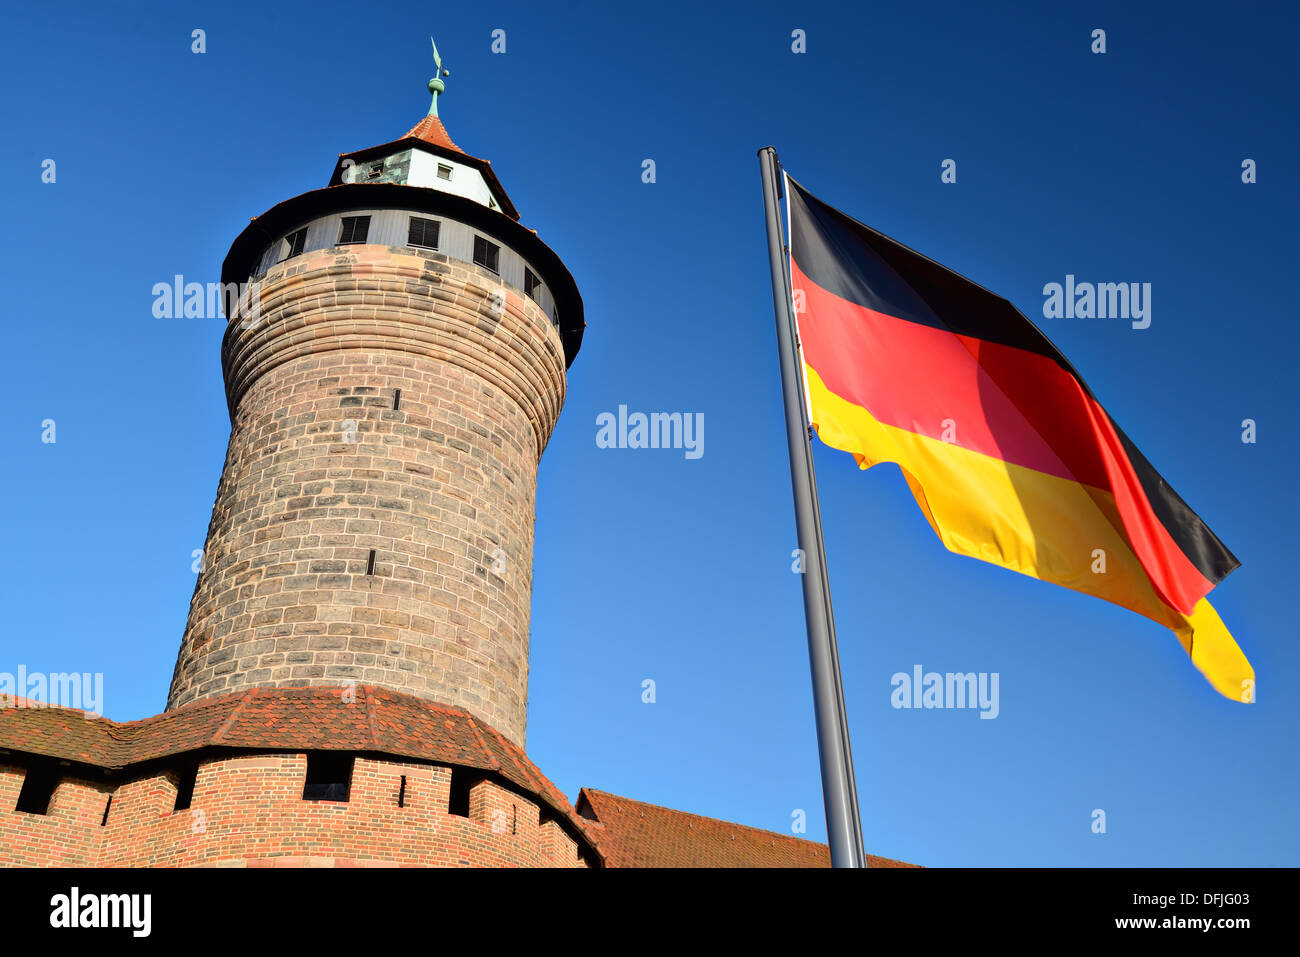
1007, 451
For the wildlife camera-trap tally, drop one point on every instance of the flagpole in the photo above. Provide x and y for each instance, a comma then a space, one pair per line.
839, 790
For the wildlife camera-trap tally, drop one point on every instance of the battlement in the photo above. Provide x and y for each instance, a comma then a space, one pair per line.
249, 810
324, 776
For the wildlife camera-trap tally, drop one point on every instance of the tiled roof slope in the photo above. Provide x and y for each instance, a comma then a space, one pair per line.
304, 719
626, 833
431, 130
634, 834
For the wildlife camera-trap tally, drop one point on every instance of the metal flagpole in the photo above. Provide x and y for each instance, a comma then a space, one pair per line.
839, 790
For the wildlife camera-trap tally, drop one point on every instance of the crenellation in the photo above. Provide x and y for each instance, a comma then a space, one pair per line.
248, 810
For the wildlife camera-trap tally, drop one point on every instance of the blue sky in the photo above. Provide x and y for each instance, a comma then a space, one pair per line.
1117, 167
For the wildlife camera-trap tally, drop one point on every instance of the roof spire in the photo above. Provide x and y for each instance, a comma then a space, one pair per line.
436, 85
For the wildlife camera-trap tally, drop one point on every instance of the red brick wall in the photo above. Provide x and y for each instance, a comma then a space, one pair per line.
69, 834
248, 811
435, 487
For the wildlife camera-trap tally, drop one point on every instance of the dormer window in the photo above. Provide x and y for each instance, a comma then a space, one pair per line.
296, 242
486, 254
423, 233
444, 172
354, 230
531, 284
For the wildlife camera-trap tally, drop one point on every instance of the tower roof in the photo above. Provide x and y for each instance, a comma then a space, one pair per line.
432, 131
428, 136
293, 212
425, 170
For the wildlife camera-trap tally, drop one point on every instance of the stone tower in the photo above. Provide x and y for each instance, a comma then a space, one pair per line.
352, 684
393, 375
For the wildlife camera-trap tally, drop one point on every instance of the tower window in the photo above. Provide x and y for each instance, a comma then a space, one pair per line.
444, 172
354, 230
297, 242
375, 171
486, 254
108, 806
329, 776
38, 788
531, 284
370, 563
423, 232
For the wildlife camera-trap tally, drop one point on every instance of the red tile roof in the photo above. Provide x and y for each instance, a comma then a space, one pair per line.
431, 130
299, 719
634, 834
624, 832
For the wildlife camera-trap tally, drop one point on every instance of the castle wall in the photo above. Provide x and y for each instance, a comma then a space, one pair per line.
248, 811
67, 835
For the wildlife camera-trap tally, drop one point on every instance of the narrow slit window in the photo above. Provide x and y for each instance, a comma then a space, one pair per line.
329, 777
401, 793
486, 254
423, 233
397, 399
103, 821
370, 563
354, 230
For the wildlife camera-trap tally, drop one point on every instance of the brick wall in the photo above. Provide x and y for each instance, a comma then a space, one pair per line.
321, 470
68, 834
248, 811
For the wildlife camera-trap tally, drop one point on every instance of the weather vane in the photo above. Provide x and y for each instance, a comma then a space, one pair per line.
436, 85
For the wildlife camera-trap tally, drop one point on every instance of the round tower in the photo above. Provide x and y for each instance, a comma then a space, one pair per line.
393, 373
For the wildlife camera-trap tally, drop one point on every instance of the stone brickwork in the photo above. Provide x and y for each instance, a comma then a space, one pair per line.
248, 811
322, 470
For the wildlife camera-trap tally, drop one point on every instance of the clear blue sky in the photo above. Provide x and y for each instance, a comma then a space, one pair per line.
1117, 167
